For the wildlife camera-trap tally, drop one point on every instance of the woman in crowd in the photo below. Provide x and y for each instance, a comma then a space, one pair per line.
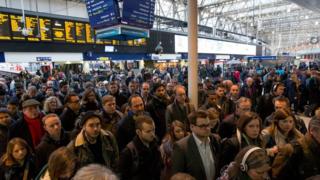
248, 133
17, 163
281, 131
61, 165
52, 105
89, 101
251, 163
177, 132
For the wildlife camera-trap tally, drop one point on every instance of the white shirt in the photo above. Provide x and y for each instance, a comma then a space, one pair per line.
206, 157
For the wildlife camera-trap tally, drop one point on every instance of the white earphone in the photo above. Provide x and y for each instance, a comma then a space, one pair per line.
243, 165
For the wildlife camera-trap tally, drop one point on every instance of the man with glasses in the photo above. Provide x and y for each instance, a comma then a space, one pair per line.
71, 111
94, 145
196, 153
228, 125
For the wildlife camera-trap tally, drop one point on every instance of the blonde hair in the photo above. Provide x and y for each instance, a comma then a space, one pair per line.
96, 172
47, 102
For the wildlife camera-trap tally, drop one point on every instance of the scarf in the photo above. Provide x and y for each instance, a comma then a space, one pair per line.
35, 128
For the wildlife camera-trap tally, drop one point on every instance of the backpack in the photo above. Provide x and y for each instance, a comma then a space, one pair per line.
135, 157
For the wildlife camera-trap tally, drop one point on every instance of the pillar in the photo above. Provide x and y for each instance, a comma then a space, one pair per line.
193, 52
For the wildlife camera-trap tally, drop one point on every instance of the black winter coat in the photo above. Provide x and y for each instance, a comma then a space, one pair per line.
146, 166
3, 139
68, 119
15, 172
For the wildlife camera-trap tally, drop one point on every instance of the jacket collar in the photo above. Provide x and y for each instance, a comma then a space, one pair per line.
80, 139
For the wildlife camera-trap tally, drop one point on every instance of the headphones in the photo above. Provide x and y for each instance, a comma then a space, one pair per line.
276, 85
243, 165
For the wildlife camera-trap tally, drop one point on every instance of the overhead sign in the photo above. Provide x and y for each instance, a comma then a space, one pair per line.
165, 56
80, 33
4, 27
16, 27
211, 46
70, 30
58, 31
32, 26
45, 29
103, 13
138, 13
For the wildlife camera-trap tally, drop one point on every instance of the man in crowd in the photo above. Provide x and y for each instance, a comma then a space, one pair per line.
110, 115
196, 153
141, 159
145, 92
70, 112
157, 109
94, 145
228, 125
29, 127
126, 127
179, 109
265, 102
113, 90
54, 138
5, 121
13, 109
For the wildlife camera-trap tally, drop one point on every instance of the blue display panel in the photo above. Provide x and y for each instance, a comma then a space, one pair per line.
138, 13
103, 13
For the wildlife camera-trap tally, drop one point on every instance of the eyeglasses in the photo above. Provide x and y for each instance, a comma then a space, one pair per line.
75, 102
202, 126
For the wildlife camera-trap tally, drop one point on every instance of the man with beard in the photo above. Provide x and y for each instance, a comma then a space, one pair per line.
126, 127
157, 109
94, 145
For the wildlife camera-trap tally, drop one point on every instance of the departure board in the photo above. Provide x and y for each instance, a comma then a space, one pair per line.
58, 32
138, 13
103, 13
89, 34
80, 32
70, 31
4, 27
32, 26
16, 27
45, 29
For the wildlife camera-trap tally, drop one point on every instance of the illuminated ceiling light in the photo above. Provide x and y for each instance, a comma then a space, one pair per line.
307, 17
316, 23
289, 10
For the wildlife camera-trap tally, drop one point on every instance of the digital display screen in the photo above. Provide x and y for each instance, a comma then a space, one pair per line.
4, 27
70, 32
32, 26
103, 13
58, 31
89, 34
45, 29
139, 13
80, 33
16, 27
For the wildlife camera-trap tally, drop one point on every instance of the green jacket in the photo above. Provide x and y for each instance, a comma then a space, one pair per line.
110, 152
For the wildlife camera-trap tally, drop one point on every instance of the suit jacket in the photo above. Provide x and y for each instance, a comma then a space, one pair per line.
186, 157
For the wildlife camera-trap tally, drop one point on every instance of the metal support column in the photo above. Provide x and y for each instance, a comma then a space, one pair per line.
193, 52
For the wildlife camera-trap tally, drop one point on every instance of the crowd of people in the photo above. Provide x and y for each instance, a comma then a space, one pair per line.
246, 125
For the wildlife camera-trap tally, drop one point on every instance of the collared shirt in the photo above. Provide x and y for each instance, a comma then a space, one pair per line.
206, 157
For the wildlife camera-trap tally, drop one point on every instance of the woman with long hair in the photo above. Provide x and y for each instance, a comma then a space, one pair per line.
248, 133
17, 163
251, 163
61, 165
281, 131
177, 132
52, 105
89, 101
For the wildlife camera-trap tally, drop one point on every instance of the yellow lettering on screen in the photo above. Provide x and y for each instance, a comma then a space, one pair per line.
4, 27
